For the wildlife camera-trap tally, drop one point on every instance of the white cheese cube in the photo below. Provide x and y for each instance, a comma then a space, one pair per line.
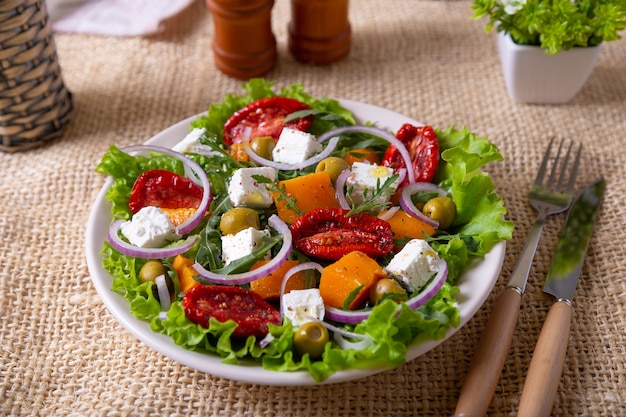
241, 244
191, 142
415, 264
295, 146
298, 304
149, 228
245, 191
363, 181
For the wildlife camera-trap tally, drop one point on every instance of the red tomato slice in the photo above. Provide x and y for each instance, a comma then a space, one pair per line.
164, 189
423, 147
328, 234
251, 313
265, 117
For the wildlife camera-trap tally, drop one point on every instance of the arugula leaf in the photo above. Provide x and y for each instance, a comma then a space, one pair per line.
281, 191
375, 199
244, 263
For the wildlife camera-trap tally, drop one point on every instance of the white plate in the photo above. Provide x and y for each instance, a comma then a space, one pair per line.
475, 283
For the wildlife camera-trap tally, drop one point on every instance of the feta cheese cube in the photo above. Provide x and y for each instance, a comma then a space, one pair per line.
191, 142
298, 304
244, 191
295, 146
149, 228
415, 264
241, 244
364, 179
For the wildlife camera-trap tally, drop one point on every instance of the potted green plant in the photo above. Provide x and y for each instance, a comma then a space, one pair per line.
548, 48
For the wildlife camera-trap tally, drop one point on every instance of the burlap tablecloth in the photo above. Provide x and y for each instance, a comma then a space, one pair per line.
61, 351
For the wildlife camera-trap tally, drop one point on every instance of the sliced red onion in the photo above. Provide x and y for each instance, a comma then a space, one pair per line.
340, 335
339, 189
407, 204
386, 215
363, 343
266, 340
294, 270
189, 164
401, 175
347, 316
146, 253
164, 292
426, 293
375, 131
247, 277
432, 288
332, 144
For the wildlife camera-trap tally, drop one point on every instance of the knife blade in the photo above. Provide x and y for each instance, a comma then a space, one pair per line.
546, 366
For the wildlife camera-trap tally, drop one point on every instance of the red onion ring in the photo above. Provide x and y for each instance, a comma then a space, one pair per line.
339, 192
340, 334
195, 219
164, 292
432, 288
386, 215
247, 277
428, 292
376, 132
294, 270
407, 204
146, 253
332, 144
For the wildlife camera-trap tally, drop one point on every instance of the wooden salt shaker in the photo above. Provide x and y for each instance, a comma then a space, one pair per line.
319, 31
244, 45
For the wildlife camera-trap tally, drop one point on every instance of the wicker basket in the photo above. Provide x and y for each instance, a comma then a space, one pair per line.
35, 105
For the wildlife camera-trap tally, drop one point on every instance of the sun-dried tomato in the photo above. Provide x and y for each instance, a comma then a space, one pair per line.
330, 234
251, 313
265, 117
164, 189
423, 147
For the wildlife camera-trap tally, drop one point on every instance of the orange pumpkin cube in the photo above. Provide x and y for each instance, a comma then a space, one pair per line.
268, 287
353, 271
403, 225
310, 191
184, 269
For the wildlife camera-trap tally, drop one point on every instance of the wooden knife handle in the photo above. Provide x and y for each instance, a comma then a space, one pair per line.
489, 357
546, 366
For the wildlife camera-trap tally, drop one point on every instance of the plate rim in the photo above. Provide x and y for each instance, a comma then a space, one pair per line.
254, 373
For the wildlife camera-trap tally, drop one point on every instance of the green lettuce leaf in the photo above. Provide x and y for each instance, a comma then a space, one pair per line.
480, 220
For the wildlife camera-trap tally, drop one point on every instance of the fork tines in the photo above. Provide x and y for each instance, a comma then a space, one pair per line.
552, 181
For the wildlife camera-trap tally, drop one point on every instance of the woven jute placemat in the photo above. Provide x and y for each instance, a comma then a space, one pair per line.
63, 354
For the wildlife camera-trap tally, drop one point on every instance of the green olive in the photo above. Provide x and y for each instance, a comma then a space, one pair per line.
441, 209
151, 270
310, 338
263, 146
333, 166
389, 287
237, 219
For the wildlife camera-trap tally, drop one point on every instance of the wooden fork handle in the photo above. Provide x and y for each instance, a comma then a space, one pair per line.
546, 366
489, 357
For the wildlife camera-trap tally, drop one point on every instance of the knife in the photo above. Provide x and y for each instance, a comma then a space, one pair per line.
546, 364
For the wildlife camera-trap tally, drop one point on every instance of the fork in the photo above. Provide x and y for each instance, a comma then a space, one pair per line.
550, 194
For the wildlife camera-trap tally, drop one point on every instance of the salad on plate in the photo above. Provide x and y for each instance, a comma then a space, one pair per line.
279, 231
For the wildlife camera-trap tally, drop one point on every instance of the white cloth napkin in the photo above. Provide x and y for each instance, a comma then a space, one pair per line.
112, 17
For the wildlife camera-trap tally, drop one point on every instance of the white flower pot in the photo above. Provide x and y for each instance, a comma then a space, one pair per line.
532, 76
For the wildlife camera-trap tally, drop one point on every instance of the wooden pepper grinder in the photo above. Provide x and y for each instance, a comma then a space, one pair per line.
244, 45
319, 31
